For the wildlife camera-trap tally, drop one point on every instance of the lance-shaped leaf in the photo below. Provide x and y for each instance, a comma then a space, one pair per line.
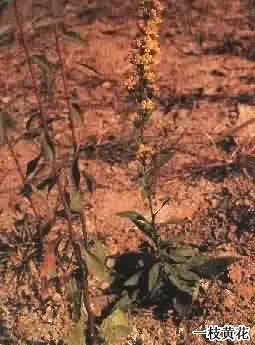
115, 327
96, 267
73, 35
48, 182
6, 122
128, 301
74, 293
2, 130
181, 255
75, 171
76, 201
208, 267
164, 157
153, 276
26, 190
34, 116
31, 165
98, 251
124, 302
76, 111
142, 224
47, 147
6, 35
174, 277
186, 274
42, 62
134, 279
164, 203
90, 182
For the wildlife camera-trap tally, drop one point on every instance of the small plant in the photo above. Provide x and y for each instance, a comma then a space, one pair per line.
169, 265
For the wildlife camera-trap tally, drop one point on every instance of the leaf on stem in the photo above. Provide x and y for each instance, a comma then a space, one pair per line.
142, 224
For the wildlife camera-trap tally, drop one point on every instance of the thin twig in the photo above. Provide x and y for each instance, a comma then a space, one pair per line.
91, 328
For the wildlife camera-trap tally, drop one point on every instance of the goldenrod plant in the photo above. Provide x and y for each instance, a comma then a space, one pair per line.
165, 266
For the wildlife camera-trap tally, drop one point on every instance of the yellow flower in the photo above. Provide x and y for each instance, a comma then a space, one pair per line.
145, 58
147, 105
145, 153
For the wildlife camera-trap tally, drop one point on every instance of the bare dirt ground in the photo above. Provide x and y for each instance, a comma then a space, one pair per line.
207, 85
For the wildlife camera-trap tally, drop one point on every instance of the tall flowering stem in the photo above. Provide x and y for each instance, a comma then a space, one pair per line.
142, 87
145, 57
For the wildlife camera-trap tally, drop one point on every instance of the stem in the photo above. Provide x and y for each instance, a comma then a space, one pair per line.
43, 118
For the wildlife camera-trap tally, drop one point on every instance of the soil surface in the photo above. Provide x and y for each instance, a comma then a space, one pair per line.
206, 80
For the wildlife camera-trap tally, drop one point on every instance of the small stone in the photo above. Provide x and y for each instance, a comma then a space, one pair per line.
6, 99
106, 85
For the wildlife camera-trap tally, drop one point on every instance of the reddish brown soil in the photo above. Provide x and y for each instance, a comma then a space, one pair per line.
207, 84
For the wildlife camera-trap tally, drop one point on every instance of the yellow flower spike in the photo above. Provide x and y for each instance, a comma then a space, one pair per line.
145, 58
147, 105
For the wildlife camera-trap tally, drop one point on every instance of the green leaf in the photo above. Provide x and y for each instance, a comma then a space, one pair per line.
47, 147
76, 112
31, 165
98, 251
6, 35
73, 35
75, 171
48, 182
207, 267
142, 224
165, 156
76, 201
115, 327
186, 252
34, 116
154, 273
181, 255
2, 130
74, 293
174, 277
134, 279
90, 182
77, 336
6, 122
124, 303
26, 190
187, 275
197, 261
42, 62
96, 267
